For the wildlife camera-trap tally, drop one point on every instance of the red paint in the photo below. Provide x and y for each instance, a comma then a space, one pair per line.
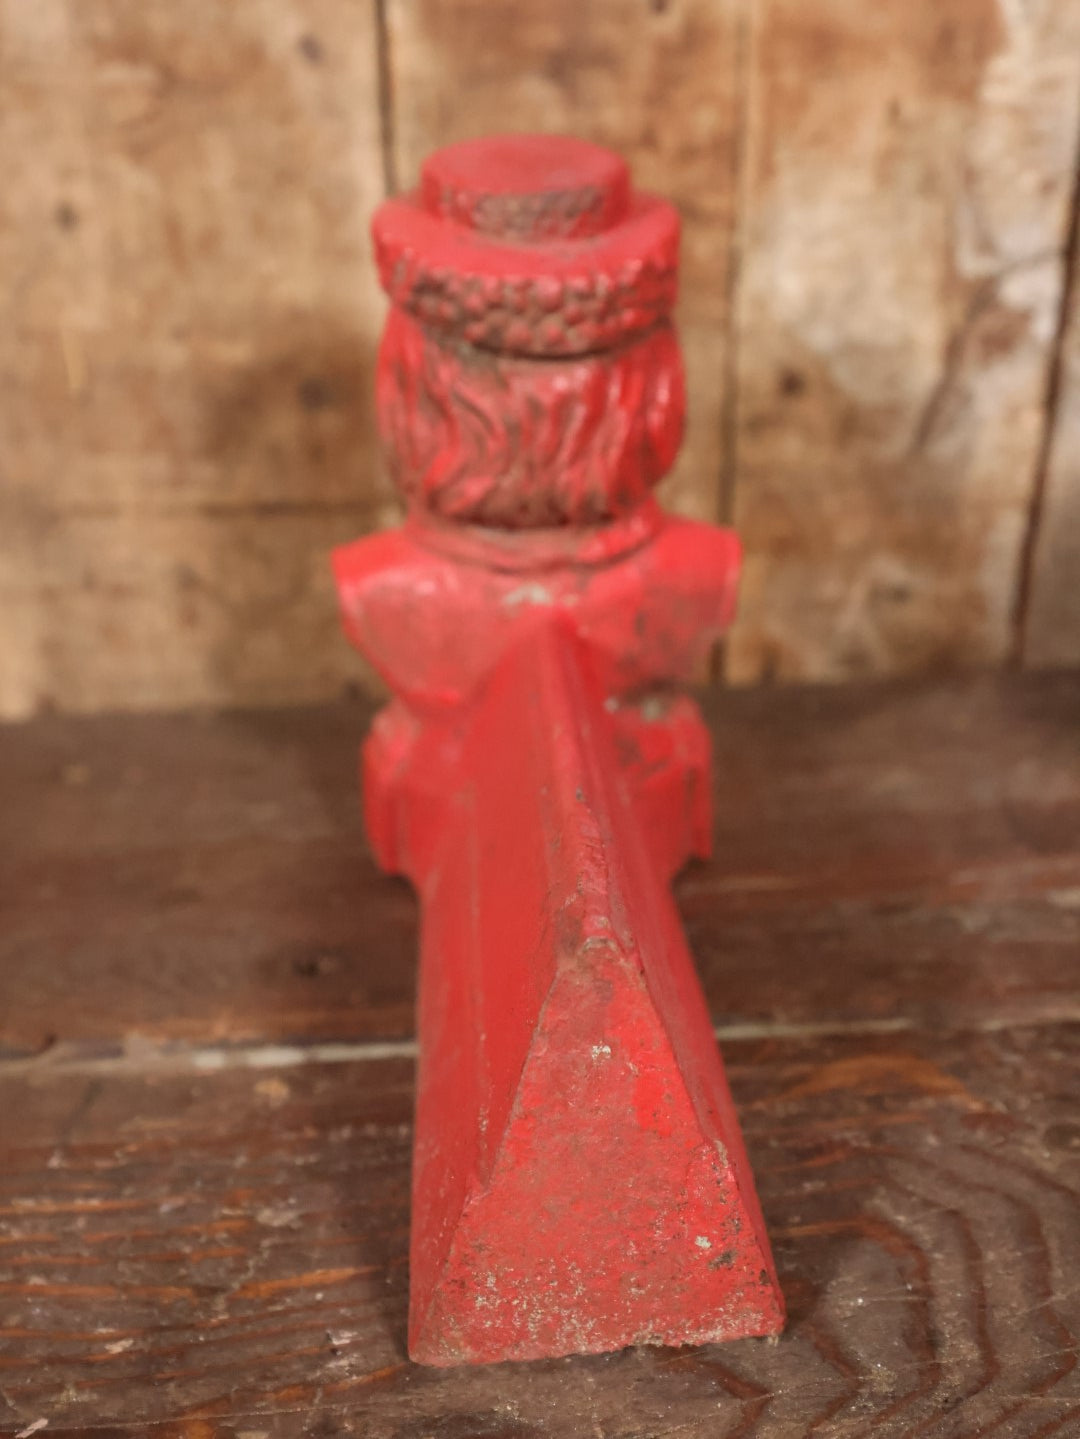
580, 1181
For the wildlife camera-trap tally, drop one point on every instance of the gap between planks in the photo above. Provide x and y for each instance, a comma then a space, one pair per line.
143, 1056
1027, 565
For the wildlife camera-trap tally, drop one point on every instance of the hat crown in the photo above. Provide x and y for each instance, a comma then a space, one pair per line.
527, 189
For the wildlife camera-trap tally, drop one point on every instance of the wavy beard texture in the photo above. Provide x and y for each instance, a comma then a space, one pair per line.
520, 443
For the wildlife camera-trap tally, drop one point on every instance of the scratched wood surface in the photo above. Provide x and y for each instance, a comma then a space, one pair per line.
906, 854
210, 1255
206, 1095
876, 201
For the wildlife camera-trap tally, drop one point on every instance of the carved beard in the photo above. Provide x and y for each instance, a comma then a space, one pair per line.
512, 442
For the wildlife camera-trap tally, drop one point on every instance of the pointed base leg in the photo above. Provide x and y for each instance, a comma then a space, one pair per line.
580, 1180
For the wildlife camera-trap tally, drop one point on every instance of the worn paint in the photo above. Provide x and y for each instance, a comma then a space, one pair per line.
576, 1152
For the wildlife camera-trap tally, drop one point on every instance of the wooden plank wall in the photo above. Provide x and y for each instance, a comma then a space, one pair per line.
910, 177
885, 394
187, 354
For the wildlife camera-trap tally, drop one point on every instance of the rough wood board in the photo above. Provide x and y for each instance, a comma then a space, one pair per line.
190, 314
1052, 631
205, 1256
900, 855
187, 344
658, 82
909, 172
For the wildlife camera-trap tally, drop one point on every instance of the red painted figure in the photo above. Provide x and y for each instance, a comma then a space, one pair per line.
579, 1181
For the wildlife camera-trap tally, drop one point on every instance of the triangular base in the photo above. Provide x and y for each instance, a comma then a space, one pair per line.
611, 1217
580, 1181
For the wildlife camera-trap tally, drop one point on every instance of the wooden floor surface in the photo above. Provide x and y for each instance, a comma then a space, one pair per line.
206, 1081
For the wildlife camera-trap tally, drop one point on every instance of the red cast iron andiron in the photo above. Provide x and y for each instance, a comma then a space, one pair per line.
579, 1178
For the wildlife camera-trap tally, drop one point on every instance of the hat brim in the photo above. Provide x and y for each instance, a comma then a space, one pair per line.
564, 297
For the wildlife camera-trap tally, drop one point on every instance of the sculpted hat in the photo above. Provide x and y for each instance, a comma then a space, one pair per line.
529, 245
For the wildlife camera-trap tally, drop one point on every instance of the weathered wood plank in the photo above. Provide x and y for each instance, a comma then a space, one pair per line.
910, 169
185, 364
903, 855
196, 1255
658, 82
185, 360
1052, 623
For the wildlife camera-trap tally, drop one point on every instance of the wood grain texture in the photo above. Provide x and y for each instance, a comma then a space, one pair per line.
1052, 622
875, 205
185, 360
909, 175
210, 1255
658, 82
203, 1229
906, 856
